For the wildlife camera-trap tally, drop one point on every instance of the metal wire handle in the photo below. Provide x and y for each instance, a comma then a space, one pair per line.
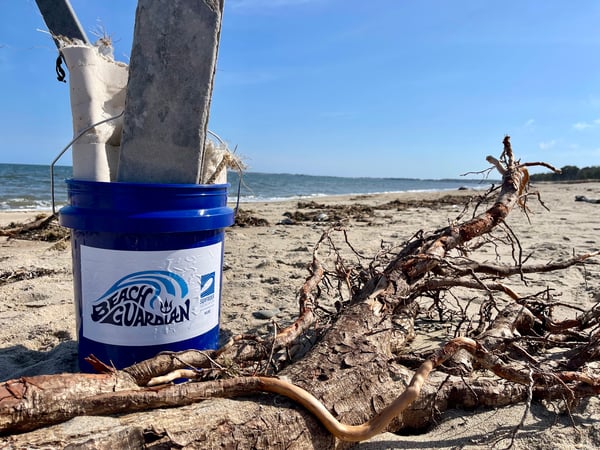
62, 152
81, 133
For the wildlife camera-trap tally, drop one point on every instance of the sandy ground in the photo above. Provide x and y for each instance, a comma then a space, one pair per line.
266, 265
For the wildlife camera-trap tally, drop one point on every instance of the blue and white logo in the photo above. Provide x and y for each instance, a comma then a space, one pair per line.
147, 298
207, 289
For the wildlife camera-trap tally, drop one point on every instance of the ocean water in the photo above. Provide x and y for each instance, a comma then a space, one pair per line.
27, 187
24, 186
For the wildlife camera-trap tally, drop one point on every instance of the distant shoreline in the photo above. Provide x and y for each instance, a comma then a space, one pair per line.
327, 198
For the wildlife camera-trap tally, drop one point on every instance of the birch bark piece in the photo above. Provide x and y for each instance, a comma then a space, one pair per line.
97, 86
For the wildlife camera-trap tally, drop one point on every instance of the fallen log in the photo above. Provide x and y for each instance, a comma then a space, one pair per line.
40, 222
351, 372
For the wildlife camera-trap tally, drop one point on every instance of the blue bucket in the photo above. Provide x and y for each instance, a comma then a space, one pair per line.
147, 267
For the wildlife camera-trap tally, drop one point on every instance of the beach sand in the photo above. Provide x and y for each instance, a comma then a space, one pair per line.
266, 265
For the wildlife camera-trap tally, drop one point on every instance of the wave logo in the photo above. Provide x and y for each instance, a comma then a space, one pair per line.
148, 298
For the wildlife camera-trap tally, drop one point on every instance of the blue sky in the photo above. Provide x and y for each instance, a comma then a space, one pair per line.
380, 88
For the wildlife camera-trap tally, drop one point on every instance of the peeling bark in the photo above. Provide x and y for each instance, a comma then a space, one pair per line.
352, 372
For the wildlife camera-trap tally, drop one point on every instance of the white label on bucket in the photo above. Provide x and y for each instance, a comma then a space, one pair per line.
144, 298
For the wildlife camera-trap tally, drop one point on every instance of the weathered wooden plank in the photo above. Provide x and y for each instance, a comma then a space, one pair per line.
171, 74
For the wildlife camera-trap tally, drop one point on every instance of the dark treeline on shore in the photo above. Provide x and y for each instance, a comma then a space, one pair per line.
569, 173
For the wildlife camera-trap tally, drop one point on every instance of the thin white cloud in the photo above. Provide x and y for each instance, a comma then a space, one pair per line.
585, 125
546, 145
529, 123
581, 125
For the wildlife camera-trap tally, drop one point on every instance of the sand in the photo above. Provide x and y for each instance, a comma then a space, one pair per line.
265, 266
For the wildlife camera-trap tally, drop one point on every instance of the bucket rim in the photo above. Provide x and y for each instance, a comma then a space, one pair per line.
146, 184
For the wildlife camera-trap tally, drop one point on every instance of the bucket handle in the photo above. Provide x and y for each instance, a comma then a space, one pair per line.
81, 133
62, 152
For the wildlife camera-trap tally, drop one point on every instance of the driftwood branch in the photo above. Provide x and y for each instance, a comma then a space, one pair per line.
116, 392
18, 229
349, 385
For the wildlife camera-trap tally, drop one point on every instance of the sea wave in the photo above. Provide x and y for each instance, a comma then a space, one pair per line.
28, 187
258, 199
